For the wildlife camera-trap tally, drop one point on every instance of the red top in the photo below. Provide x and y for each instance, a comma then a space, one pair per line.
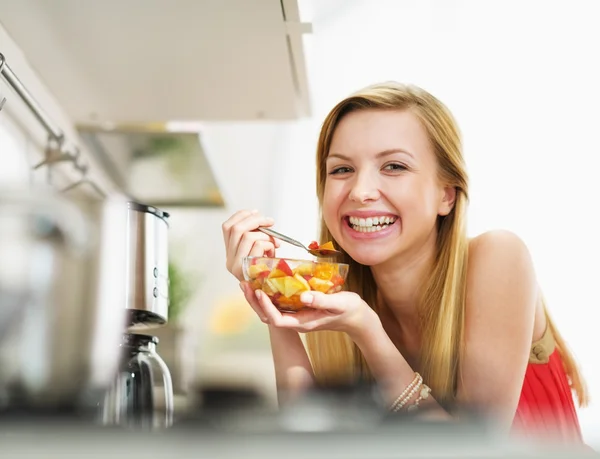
546, 408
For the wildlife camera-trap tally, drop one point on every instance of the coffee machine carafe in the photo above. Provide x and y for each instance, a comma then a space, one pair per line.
142, 394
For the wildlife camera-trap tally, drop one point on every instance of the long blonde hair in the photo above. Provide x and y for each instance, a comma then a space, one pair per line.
335, 358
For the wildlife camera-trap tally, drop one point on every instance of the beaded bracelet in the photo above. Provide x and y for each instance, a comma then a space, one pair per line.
408, 393
424, 394
408, 397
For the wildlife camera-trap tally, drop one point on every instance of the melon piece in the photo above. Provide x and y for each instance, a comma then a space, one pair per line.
281, 270
320, 285
295, 285
258, 270
305, 269
277, 283
269, 287
303, 281
327, 246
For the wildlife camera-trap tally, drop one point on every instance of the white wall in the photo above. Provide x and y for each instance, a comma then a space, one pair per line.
13, 145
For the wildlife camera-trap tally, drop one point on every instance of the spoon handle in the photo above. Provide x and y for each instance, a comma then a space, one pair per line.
283, 237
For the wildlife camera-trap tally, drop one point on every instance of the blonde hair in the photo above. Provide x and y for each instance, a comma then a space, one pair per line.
335, 358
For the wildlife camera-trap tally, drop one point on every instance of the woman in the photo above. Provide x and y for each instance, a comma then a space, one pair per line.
438, 320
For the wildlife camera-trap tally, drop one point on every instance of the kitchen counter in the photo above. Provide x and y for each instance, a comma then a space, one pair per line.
63, 438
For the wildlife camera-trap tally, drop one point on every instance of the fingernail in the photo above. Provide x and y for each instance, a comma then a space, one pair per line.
258, 294
254, 211
307, 298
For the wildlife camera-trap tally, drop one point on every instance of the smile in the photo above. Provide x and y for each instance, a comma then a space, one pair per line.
370, 224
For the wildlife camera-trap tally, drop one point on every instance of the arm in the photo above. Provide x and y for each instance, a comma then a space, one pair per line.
389, 368
501, 302
502, 297
293, 371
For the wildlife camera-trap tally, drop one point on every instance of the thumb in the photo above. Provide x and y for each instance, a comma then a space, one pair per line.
334, 302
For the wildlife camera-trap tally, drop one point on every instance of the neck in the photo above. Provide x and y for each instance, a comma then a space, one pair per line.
399, 281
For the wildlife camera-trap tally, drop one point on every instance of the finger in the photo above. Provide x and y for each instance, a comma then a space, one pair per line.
241, 222
273, 314
234, 256
301, 321
334, 302
245, 226
262, 248
234, 220
252, 242
253, 302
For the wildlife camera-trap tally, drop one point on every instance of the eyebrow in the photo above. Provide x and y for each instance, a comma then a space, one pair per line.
378, 155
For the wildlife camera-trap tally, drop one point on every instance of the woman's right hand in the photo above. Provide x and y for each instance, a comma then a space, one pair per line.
242, 239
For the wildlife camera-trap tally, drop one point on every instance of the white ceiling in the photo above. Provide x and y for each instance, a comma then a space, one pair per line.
146, 61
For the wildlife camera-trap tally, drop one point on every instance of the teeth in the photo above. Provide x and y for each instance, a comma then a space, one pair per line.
371, 224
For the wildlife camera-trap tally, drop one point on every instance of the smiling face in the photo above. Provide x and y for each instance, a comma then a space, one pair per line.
382, 193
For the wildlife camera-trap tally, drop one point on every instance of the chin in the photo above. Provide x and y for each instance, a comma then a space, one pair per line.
368, 257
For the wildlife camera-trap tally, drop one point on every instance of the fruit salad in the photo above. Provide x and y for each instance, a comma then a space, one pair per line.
323, 250
314, 245
284, 280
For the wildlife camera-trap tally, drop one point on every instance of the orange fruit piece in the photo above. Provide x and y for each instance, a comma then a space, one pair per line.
327, 246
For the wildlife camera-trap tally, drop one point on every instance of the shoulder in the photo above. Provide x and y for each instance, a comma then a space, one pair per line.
495, 255
501, 279
497, 243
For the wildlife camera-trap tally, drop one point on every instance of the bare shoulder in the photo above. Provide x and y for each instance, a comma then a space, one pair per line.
499, 266
501, 279
495, 255
497, 243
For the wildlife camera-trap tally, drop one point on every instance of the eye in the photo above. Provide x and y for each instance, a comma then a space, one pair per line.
395, 167
340, 170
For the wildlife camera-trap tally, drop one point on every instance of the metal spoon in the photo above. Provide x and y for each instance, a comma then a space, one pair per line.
289, 240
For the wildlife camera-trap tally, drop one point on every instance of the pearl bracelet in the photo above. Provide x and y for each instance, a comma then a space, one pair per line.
408, 393
424, 394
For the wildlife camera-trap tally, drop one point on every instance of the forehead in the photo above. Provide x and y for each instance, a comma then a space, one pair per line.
372, 131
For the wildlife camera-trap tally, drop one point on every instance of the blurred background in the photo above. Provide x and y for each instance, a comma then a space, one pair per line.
205, 107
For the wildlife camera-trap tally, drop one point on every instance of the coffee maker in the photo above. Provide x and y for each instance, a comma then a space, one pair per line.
141, 395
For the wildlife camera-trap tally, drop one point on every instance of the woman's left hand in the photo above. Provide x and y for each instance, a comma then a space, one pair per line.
344, 311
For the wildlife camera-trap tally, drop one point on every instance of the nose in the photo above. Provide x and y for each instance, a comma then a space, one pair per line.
364, 189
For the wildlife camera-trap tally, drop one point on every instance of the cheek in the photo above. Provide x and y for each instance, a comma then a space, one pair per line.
332, 200
419, 200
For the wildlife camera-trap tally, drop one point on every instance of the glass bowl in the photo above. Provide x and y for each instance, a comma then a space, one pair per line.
285, 279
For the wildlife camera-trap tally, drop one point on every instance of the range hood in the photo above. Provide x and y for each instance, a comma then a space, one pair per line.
154, 164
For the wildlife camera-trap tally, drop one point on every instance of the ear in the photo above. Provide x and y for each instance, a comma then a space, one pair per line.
447, 201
